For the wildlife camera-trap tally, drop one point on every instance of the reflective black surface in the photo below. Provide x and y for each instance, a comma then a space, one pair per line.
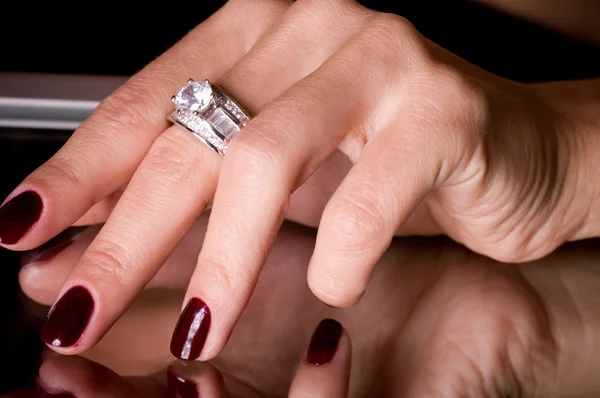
120, 41
111, 41
21, 151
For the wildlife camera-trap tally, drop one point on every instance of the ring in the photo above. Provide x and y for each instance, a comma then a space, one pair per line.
209, 113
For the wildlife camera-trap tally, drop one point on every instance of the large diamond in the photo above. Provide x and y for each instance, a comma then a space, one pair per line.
194, 97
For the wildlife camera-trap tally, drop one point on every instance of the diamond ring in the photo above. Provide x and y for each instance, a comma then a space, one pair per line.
209, 113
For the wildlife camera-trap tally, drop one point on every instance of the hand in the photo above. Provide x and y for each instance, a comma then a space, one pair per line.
436, 320
482, 159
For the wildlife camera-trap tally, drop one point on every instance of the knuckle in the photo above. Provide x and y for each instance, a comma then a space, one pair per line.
109, 262
356, 223
130, 106
461, 96
391, 45
450, 101
64, 173
217, 274
172, 159
393, 25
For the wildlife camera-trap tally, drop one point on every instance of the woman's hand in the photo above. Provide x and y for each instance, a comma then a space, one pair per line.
435, 144
436, 320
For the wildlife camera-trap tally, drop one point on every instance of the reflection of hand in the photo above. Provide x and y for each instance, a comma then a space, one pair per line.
324, 371
436, 320
491, 163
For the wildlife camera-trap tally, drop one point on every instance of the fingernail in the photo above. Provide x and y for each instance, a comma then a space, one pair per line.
324, 342
191, 330
18, 215
69, 318
179, 386
52, 248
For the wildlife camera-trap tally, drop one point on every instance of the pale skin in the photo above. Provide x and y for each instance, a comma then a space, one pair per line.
436, 321
361, 127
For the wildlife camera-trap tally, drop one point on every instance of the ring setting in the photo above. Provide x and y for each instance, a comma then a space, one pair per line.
209, 113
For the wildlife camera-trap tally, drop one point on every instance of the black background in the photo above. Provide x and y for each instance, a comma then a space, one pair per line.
104, 39
94, 38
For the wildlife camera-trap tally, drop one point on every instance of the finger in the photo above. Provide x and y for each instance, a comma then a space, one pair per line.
136, 240
270, 157
387, 183
325, 370
309, 200
82, 378
105, 150
392, 177
45, 269
191, 380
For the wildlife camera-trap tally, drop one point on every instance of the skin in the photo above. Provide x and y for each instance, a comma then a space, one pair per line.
437, 320
422, 143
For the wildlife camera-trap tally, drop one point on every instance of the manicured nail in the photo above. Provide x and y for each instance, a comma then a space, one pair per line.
18, 215
324, 342
179, 386
52, 248
69, 318
191, 330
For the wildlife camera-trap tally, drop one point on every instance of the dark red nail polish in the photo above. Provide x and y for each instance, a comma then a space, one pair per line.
18, 215
324, 342
191, 330
69, 318
52, 248
24, 393
179, 386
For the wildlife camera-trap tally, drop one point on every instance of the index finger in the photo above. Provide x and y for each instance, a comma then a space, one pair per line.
105, 150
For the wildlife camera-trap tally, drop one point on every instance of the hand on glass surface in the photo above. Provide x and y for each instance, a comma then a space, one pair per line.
361, 126
436, 321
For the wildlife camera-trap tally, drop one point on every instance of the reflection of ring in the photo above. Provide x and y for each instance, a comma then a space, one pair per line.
209, 113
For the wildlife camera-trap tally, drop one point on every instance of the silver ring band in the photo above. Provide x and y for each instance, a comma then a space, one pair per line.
209, 113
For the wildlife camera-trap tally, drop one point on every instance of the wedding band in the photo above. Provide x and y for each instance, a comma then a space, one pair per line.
209, 113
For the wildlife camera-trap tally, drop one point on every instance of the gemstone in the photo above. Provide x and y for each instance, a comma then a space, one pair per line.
194, 97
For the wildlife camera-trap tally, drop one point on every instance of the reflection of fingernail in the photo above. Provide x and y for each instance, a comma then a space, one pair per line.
69, 318
42, 392
26, 393
46, 394
324, 342
18, 215
52, 248
179, 386
191, 330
